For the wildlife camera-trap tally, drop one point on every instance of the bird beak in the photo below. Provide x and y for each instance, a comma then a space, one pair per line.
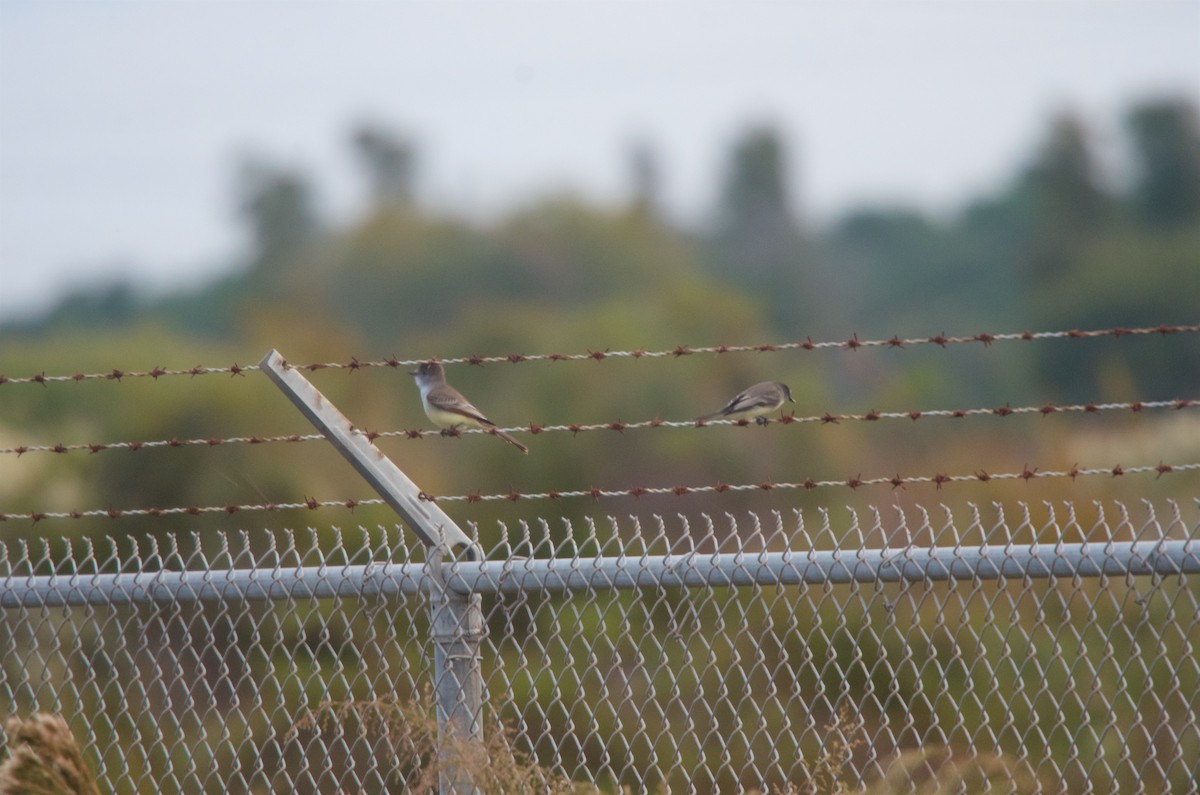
414, 372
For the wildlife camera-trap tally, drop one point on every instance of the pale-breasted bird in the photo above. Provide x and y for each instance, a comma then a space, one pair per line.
448, 409
754, 403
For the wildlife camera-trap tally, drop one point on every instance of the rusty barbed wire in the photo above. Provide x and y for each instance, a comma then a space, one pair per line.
854, 343
896, 481
1046, 409
213, 441
853, 483
192, 510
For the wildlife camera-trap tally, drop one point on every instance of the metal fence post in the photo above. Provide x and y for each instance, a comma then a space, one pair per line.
456, 617
457, 628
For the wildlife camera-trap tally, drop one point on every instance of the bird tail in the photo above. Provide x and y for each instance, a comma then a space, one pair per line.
509, 439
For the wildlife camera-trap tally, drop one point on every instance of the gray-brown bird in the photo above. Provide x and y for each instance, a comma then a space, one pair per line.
448, 409
755, 403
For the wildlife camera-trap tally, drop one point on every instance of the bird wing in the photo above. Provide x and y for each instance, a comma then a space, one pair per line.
450, 400
752, 398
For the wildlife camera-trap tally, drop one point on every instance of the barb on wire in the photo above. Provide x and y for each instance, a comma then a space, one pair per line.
852, 344
896, 481
1137, 407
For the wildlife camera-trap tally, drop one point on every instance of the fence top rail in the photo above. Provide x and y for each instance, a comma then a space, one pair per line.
557, 575
1051, 539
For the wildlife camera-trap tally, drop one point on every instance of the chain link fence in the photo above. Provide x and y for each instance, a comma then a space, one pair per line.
1047, 648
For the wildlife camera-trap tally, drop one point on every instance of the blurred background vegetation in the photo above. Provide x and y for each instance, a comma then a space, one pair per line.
1060, 245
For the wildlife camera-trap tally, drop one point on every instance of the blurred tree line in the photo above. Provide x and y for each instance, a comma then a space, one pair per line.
1062, 244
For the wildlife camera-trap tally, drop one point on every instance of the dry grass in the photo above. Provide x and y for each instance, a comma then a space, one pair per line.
931, 770
937, 771
43, 759
409, 732
829, 771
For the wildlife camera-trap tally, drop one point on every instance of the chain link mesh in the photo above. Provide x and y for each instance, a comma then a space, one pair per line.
1044, 683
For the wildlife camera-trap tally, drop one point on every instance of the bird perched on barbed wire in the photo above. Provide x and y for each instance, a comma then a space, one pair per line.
755, 403
448, 409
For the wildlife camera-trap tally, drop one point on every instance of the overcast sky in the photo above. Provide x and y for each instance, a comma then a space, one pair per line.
121, 122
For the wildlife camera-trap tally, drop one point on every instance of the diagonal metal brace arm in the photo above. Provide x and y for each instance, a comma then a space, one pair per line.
457, 618
427, 520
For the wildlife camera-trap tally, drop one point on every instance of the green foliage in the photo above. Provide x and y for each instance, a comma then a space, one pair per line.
389, 160
1066, 206
1132, 278
1166, 134
755, 198
277, 204
756, 245
1052, 249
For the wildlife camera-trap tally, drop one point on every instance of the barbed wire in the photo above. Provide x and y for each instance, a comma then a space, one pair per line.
853, 483
192, 510
1046, 409
854, 343
896, 481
